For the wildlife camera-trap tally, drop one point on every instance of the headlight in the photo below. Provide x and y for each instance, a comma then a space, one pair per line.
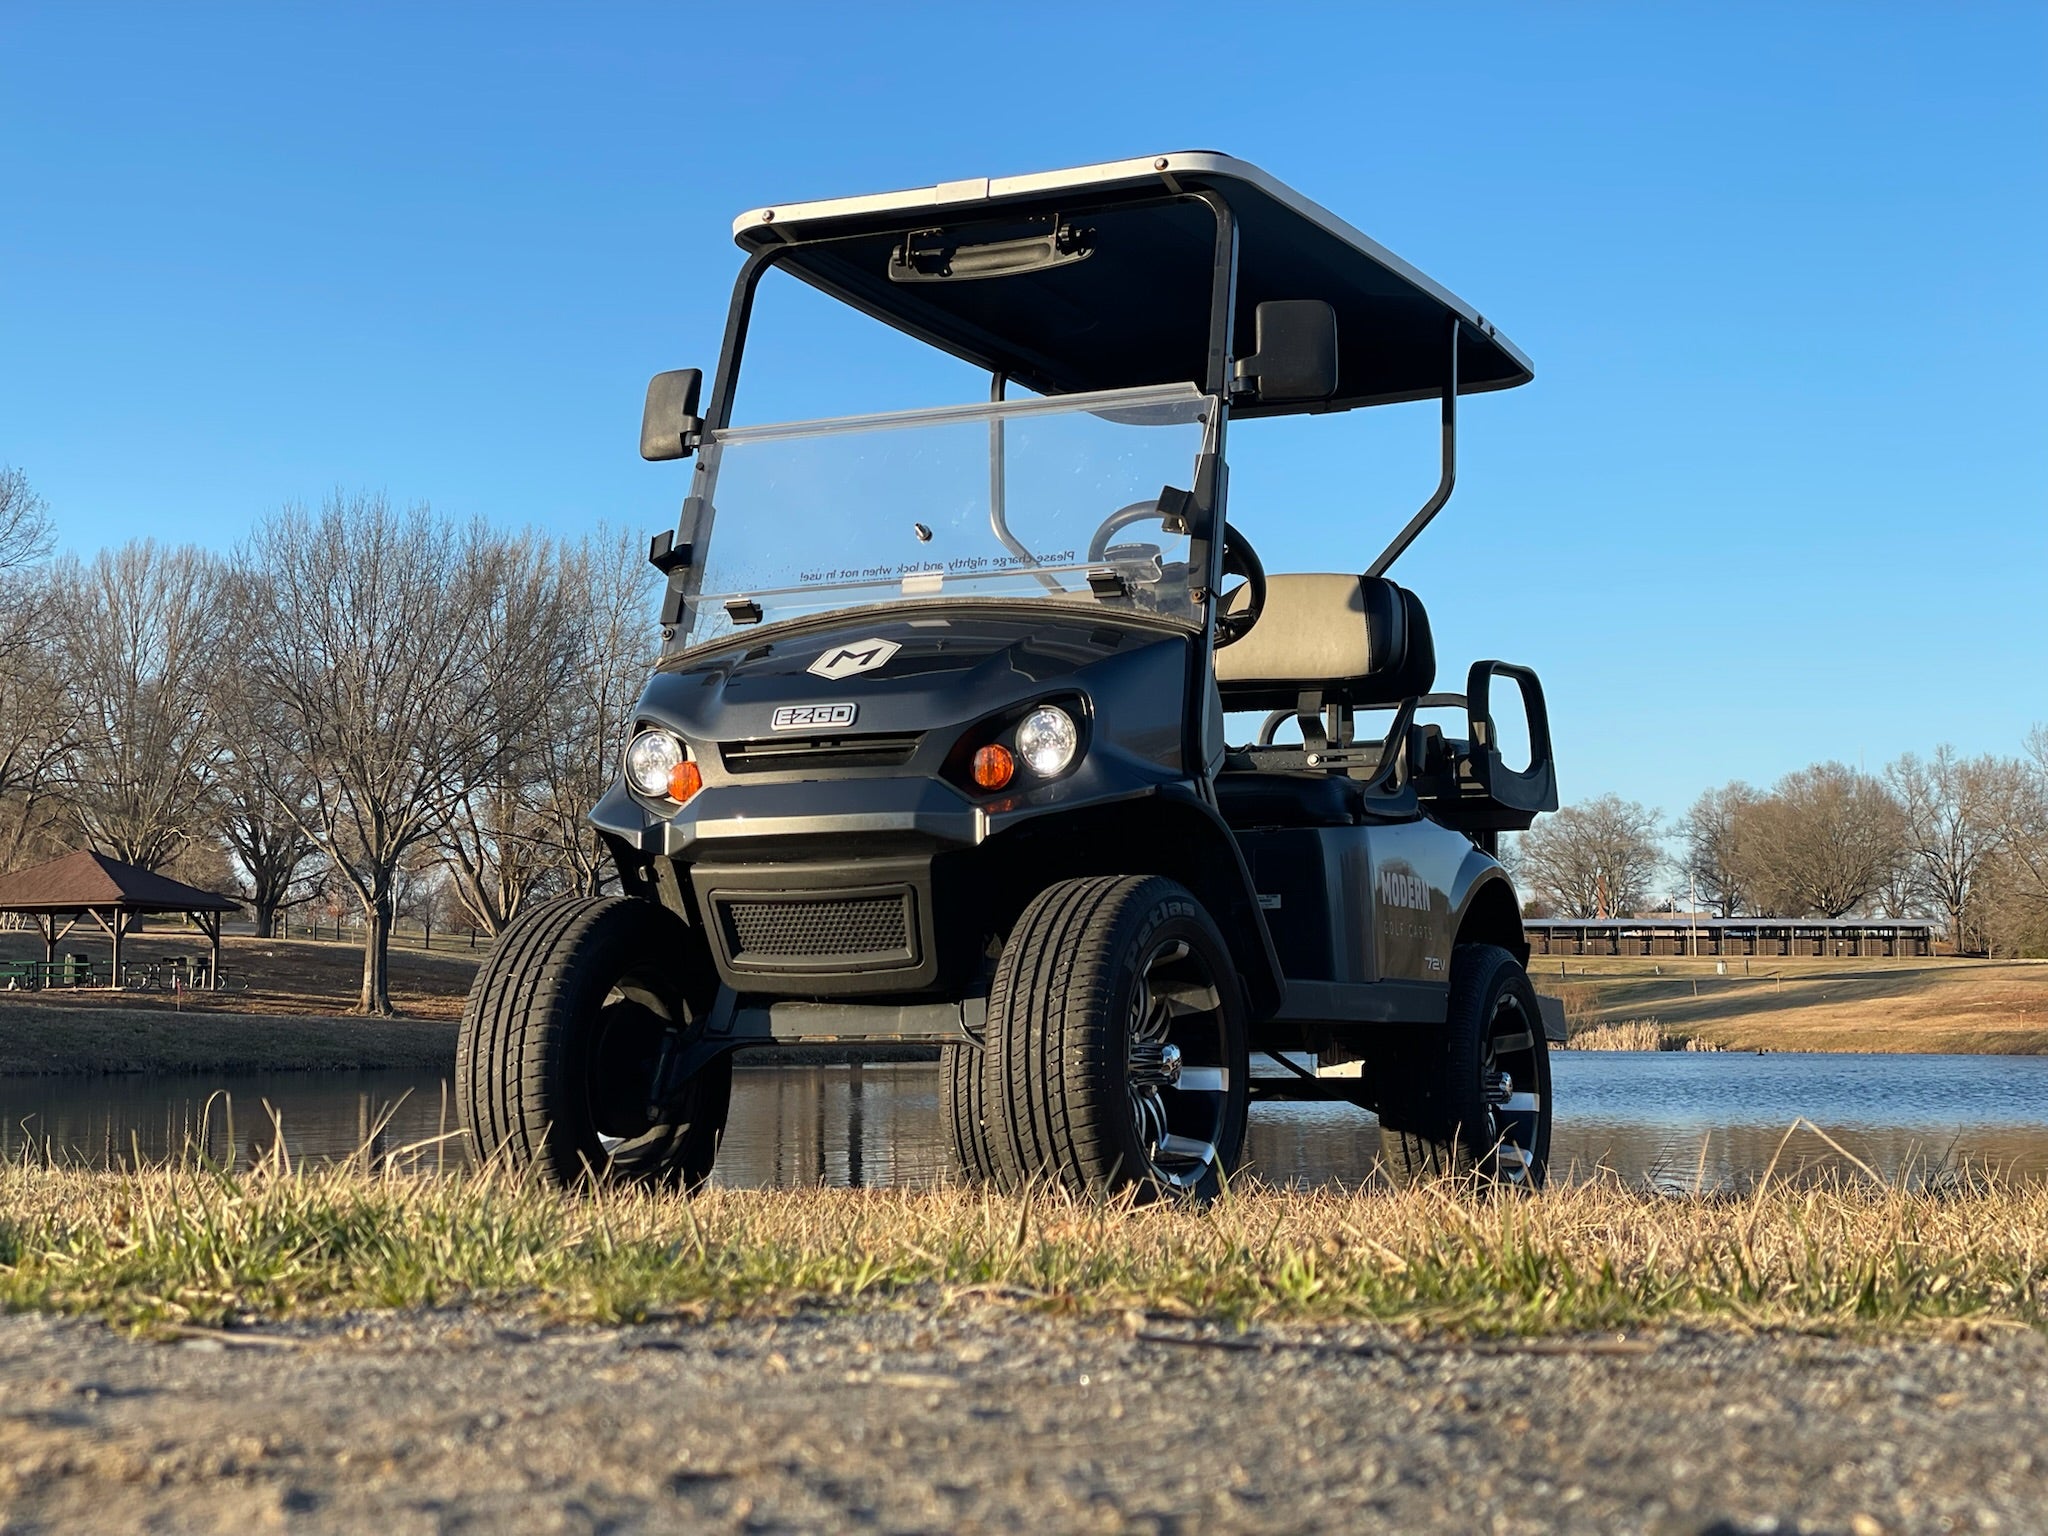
651, 758
1047, 740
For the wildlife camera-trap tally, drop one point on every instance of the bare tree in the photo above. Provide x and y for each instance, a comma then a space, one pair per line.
1824, 841
142, 630
2018, 884
278, 863
618, 593
1710, 862
1592, 860
377, 644
499, 855
1958, 815
34, 717
25, 531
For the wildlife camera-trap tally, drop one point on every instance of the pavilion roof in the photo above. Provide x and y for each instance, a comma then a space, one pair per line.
85, 880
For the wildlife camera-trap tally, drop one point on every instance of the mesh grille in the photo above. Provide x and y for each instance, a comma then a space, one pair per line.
809, 753
817, 930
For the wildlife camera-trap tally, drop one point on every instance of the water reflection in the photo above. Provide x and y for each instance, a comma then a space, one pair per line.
1677, 1121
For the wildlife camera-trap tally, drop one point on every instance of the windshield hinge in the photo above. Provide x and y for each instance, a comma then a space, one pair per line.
665, 554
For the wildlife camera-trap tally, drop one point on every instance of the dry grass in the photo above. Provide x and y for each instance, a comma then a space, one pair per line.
1971, 1006
1634, 1035
201, 1245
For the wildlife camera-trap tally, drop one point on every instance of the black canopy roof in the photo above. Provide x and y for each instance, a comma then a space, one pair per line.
1135, 309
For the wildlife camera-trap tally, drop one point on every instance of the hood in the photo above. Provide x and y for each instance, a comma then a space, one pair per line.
902, 673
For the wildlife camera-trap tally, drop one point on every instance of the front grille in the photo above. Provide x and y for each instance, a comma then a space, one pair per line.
771, 932
819, 752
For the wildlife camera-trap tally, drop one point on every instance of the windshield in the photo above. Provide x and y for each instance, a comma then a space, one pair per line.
1044, 499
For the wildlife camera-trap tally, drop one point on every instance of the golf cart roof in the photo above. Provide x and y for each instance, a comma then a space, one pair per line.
1124, 300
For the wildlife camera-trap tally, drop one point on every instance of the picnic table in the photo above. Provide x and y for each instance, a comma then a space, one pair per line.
34, 975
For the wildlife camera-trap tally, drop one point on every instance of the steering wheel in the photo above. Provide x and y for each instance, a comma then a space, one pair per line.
1121, 518
1233, 623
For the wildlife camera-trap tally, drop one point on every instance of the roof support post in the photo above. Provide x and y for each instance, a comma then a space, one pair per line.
1449, 477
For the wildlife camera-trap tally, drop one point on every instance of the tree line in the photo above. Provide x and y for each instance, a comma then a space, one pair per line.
1959, 841
362, 703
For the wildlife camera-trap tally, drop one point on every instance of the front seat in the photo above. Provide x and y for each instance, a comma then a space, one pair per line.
1322, 639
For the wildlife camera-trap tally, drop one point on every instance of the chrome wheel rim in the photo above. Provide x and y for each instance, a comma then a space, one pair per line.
1511, 1081
630, 1026
1177, 1065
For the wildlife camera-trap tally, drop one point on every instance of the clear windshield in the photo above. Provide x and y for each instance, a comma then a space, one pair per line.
1054, 500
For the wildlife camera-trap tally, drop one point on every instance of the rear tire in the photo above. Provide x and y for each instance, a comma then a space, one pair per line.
563, 1036
960, 1099
1475, 1100
1116, 1052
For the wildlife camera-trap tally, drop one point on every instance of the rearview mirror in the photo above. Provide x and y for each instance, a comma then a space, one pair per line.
1297, 351
669, 426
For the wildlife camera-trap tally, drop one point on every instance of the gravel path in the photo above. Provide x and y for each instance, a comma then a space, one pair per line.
992, 1419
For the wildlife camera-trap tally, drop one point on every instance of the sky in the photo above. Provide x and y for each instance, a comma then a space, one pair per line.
1778, 493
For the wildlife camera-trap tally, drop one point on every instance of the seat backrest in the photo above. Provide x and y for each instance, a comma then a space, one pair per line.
1352, 639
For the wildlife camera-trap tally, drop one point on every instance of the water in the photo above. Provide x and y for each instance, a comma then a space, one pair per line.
1676, 1120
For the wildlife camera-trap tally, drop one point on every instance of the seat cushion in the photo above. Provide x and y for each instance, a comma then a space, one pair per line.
1351, 639
1250, 800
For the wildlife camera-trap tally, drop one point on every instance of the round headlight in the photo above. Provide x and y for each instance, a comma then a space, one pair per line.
650, 759
1047, 739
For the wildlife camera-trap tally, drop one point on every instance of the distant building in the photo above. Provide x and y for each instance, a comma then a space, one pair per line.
1845, 937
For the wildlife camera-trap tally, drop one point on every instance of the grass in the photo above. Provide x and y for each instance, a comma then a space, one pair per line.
38, 1038
199, 1245
1633, 1035
1801, 1004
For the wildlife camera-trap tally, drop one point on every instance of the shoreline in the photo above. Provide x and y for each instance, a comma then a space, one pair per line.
89, 1040
1937, 1007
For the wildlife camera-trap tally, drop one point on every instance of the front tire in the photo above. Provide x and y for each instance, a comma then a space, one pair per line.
1475, 1100
563, 1038
1116, 1051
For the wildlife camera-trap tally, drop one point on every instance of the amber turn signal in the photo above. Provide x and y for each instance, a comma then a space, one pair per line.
684, 780
994, 767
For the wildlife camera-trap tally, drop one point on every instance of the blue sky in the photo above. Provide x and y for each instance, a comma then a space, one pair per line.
1779, 491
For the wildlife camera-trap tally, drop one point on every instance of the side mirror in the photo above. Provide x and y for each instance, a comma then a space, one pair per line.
669, 426
1297, 351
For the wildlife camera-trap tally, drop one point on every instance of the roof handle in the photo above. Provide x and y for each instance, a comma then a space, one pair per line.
1445, 483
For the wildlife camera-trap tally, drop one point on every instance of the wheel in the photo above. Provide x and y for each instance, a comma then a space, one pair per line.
1115, 1052
563, 1037
1475, 1100
960, 1102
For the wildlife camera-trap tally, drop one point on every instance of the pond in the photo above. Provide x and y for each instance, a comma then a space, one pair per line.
1675, 1120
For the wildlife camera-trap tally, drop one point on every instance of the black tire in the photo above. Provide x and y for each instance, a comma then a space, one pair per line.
1475, 1100
960, 1102
562, 1036
1116, 1053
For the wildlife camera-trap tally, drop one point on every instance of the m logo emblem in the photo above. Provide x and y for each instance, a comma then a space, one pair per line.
847, 660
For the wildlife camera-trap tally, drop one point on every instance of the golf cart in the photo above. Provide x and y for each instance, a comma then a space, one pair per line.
935, 750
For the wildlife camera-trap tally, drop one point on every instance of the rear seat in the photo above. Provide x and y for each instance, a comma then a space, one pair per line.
1351, 640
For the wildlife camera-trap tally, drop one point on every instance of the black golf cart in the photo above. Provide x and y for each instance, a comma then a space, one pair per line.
936, 749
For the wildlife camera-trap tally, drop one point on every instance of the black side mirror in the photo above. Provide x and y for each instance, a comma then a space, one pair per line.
670, 425
1297, 351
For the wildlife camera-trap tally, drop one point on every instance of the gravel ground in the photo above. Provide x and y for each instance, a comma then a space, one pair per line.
987, 1418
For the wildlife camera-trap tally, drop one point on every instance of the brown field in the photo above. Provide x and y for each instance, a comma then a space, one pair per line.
284, 976
1971, 1006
